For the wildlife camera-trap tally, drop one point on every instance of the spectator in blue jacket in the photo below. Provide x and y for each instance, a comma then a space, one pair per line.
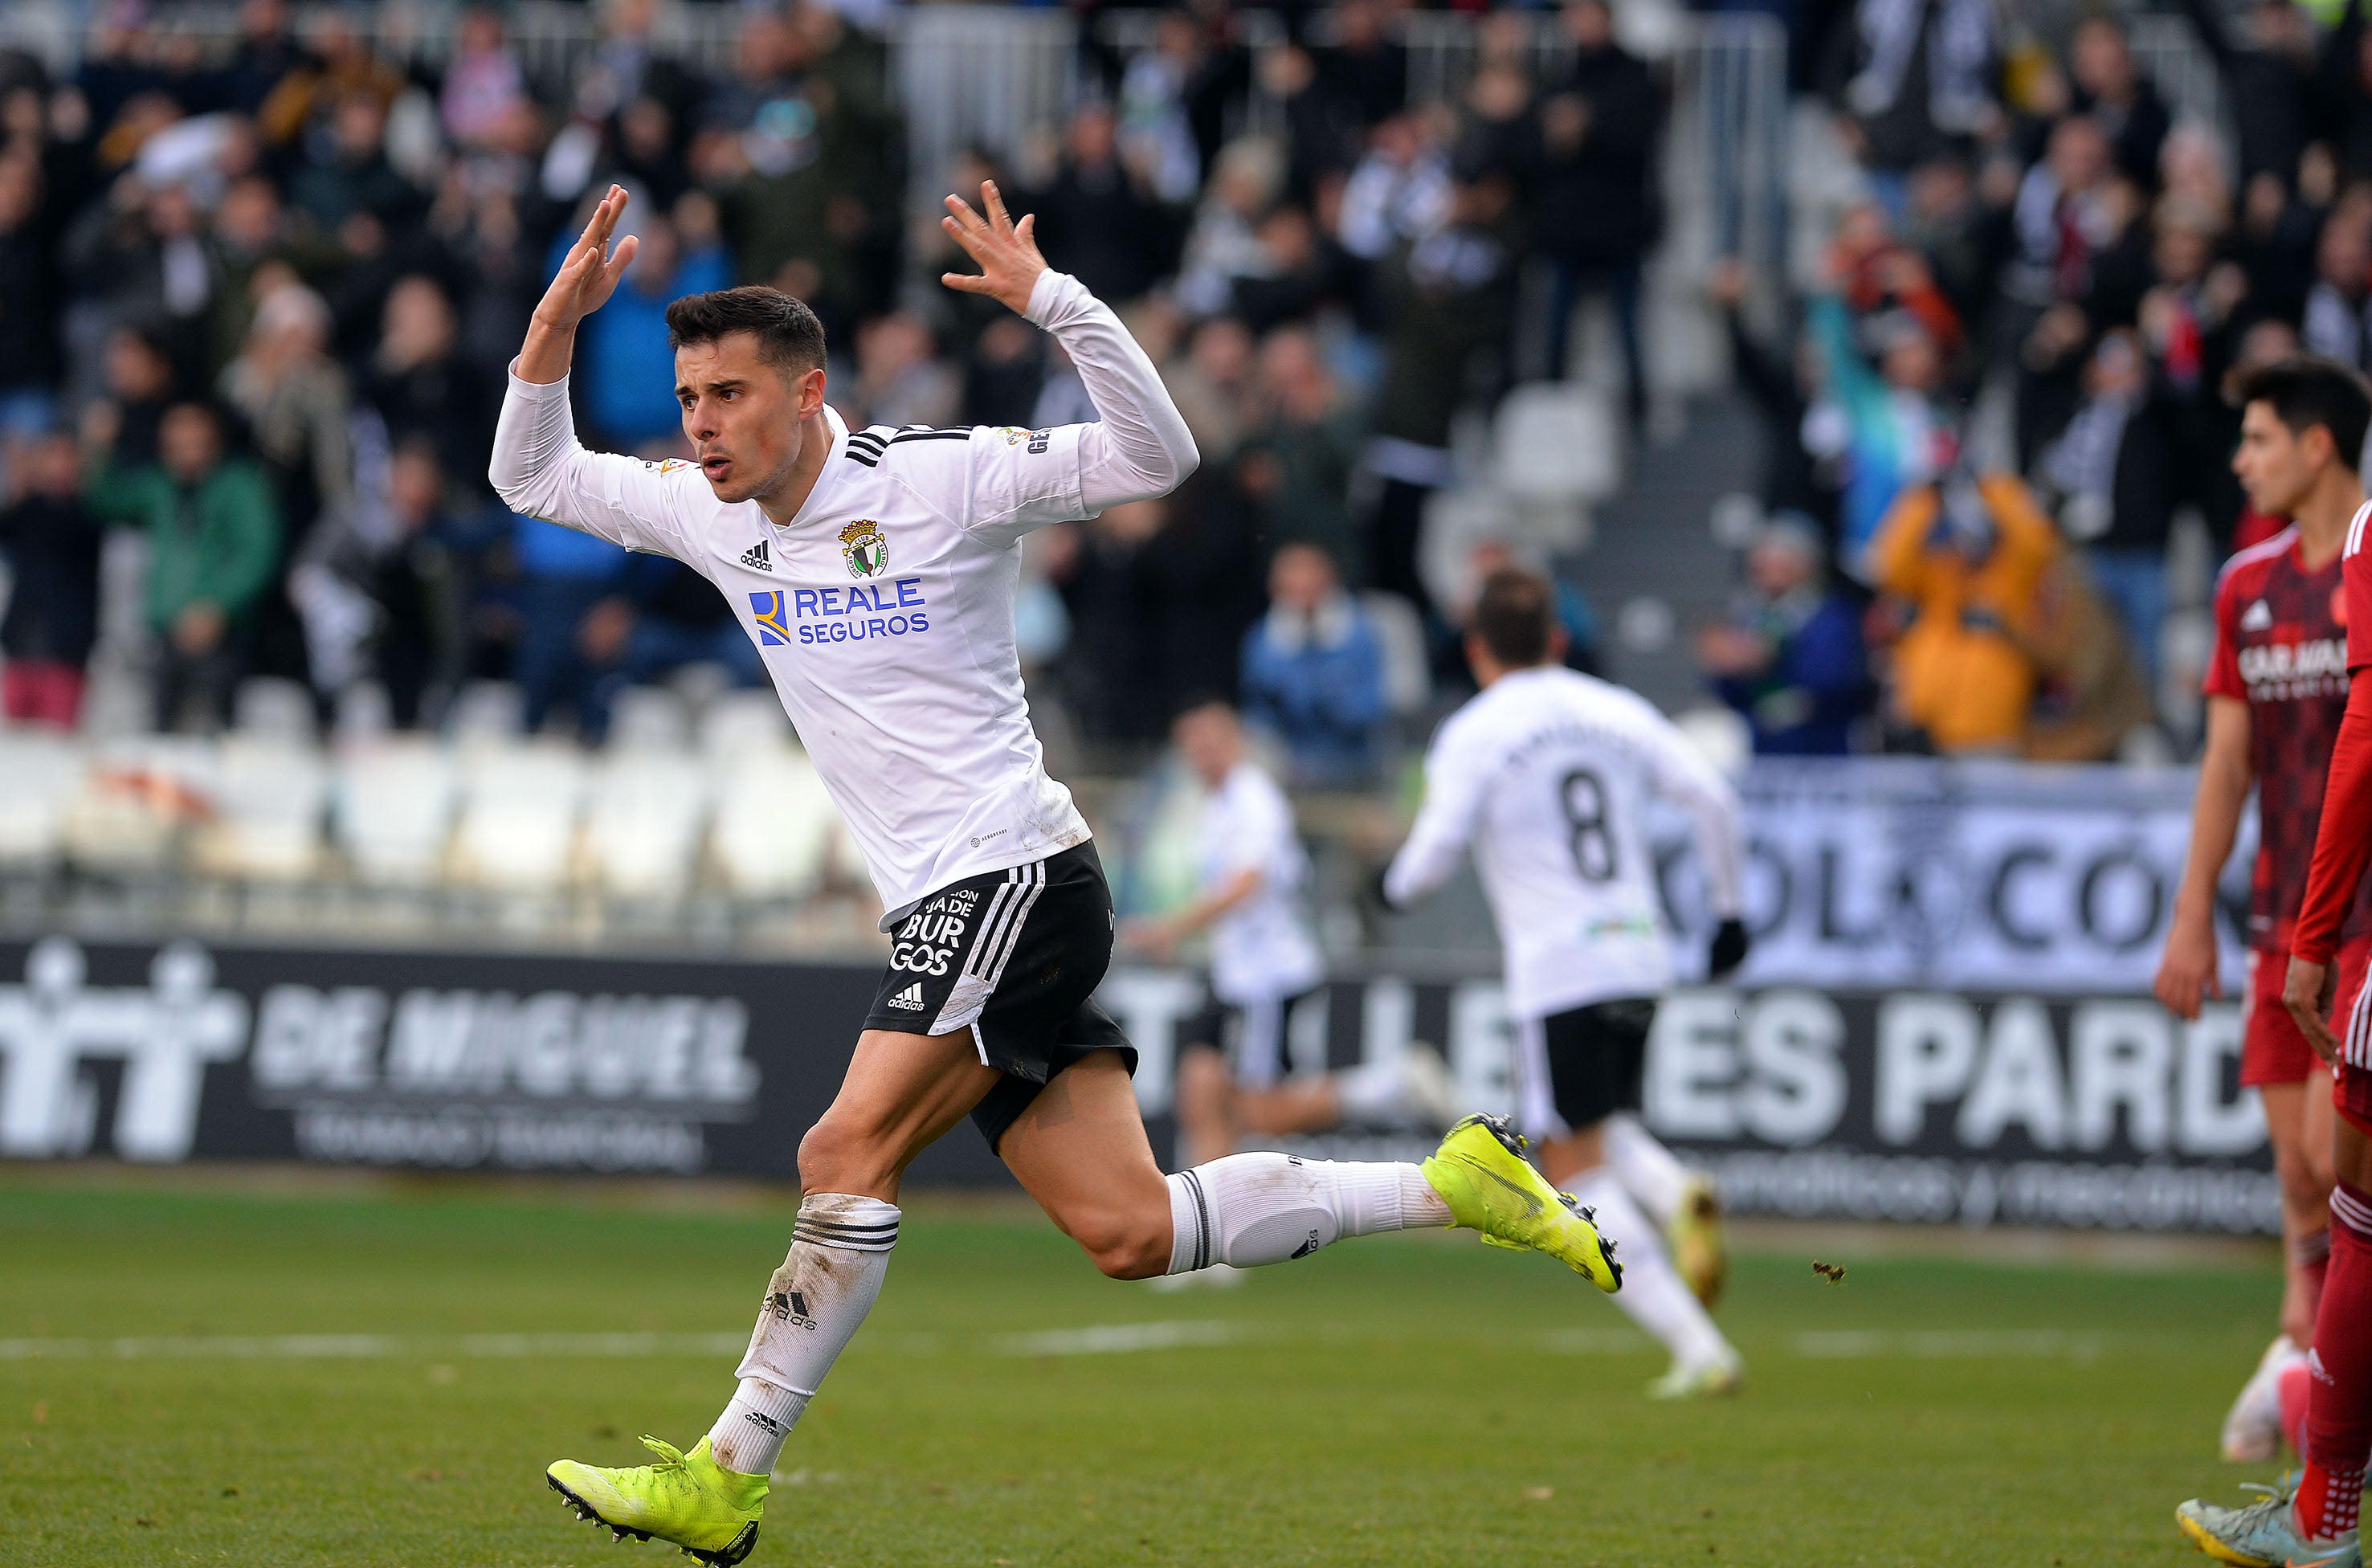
629, 369
1313, 671
1789, 655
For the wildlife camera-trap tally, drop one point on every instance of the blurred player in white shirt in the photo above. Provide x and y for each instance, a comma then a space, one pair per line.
1266, 968
1545, 776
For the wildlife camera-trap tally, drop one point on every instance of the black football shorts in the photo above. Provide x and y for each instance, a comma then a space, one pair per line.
1577, 1068
1013, 956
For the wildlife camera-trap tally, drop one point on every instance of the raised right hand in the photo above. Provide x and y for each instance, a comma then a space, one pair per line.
590, 275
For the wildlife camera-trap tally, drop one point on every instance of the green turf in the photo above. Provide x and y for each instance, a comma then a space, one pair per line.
1399, 1402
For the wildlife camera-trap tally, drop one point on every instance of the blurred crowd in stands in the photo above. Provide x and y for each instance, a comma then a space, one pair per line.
257, 300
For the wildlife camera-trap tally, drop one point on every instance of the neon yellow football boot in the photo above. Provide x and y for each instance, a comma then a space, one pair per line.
1481, 1172
1700, 1249
687, 1500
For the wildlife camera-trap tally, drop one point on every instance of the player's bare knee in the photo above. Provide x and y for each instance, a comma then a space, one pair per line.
837, 1156
1125, 1245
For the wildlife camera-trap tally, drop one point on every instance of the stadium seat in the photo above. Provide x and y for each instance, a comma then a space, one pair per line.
738, 721
521, 803
650, 718
1721, 734
394, 810
268, 800
1408, 675
642, 826
775, 832
138, 795
1556, 443
487, 709
40, 774
270, 709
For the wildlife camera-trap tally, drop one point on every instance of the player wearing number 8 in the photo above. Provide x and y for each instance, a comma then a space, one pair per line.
1545, 776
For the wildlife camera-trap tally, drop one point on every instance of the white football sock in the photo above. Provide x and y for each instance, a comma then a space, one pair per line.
1646, 1169
840, 1250
1652, 1293
1253, 1209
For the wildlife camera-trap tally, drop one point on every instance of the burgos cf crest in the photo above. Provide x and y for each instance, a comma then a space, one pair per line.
863, 548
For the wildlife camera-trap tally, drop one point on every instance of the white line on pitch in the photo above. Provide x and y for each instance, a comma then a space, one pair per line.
1952, 1344
1116, 1339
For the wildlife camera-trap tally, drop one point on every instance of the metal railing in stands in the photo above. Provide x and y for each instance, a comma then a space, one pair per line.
996, 77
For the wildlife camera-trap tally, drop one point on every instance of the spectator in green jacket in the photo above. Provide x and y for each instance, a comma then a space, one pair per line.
213, 545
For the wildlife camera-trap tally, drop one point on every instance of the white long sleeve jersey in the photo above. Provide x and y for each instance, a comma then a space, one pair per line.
1546, 775
884, 609
1263, 950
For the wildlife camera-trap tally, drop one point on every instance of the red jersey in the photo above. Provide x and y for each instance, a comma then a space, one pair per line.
2282, 648
2334, 886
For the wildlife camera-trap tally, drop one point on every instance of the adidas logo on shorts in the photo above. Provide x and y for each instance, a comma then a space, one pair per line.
910, 999
756, 556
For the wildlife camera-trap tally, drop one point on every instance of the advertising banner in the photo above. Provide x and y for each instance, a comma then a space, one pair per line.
1877, 873
1919, 1103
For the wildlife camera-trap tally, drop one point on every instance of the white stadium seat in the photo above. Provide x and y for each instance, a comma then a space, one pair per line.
138, 796
1556, 442
395, 804
775, 828
40, 774
269, 801
521, 803
642, 828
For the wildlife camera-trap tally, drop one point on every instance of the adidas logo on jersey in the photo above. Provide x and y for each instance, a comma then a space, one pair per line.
2257, 617
756, 556
910, 999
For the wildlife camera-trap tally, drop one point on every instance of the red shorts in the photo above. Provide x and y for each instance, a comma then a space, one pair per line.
2271, 1048
2351, 1014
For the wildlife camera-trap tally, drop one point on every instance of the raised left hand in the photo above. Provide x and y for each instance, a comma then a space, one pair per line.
1006, 251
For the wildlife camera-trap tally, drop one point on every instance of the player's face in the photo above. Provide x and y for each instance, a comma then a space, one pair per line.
1208, 739
747, 421
2275, 466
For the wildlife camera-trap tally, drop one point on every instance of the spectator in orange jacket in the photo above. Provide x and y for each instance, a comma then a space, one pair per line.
1969, 555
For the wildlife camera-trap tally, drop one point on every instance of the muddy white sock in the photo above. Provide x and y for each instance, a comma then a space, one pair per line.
1264, 1208
1651, 1291
840, 1250
1648, 1170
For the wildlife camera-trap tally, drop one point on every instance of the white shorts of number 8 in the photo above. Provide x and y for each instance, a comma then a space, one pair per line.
1545, 776
934, 738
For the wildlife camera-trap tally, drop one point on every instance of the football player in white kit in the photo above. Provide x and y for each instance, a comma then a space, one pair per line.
877, 571
1546, 775
1267, 971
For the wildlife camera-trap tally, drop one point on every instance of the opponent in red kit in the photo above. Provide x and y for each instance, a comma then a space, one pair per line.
2302, 428
2276, 691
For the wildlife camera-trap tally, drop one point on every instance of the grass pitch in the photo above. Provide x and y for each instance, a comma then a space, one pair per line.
378, 1376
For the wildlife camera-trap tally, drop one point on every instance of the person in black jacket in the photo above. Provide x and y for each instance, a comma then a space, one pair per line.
51, 543
1098, 219
2114, 478
2123, 101
1594, 210
2268, 86
29, 345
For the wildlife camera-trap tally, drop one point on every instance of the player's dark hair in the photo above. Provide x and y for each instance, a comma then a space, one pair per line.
1515, 615
789, 336
2307, 389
